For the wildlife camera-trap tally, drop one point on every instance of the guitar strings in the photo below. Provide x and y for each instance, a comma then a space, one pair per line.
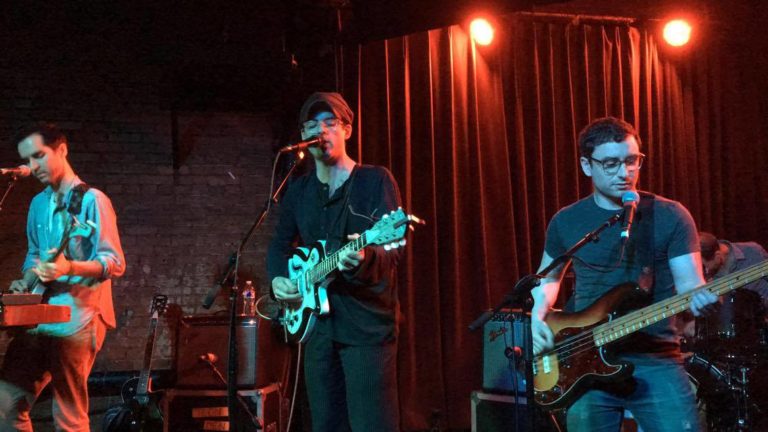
585, 340
326, 267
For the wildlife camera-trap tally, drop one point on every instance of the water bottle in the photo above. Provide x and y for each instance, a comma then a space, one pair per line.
249, 299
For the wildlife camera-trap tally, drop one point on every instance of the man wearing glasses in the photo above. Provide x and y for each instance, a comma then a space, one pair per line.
350, 359
661, 254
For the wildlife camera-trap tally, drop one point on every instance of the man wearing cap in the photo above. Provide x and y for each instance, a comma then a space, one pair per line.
350, 359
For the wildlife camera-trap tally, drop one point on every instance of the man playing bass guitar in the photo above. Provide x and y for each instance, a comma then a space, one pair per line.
659, 251
350, 357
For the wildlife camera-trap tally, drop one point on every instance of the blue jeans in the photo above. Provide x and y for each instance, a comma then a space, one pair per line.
662, 401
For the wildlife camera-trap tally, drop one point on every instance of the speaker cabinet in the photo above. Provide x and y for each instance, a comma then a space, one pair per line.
498, 413
261, 355
507, 413
504, 343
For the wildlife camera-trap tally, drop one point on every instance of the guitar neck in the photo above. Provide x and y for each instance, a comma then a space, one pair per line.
642, 318
142, 388
325, 267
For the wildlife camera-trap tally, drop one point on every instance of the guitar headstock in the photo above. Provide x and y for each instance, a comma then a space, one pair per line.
159, 305
390, 230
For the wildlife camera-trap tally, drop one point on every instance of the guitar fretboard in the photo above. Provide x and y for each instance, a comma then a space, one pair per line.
142, 388
642, 318
329, 264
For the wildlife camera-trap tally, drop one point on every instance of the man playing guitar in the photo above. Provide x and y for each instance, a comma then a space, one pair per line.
68, 269
661, 254
350, 357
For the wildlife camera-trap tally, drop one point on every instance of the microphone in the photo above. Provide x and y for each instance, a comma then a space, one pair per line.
312, 142
19, 171
629, 201
209, 358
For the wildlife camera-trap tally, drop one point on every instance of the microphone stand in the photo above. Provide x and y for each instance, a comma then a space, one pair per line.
234, 264
11, 184
520, 296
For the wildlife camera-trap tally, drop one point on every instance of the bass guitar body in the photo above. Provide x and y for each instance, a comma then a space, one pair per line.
563, 375
581, 358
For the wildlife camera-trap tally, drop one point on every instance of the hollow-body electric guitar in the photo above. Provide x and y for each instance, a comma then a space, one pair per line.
310, 269
582, 359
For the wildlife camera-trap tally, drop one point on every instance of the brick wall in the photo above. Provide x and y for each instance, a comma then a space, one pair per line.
178, 224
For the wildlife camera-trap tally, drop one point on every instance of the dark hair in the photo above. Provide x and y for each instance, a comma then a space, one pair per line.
709, 245
52, 136
604, 130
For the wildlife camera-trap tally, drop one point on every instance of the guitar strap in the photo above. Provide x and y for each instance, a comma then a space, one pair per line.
644, 245
342, 220
76, 199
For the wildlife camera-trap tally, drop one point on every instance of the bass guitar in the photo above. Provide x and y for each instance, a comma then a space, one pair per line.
581, 357
309, 268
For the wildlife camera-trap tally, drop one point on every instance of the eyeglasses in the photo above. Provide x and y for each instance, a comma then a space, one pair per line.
330, 123
611, 166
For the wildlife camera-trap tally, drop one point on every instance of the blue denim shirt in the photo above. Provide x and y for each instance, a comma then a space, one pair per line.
86, 297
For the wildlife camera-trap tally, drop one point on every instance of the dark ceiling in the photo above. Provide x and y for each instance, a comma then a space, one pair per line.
246, 51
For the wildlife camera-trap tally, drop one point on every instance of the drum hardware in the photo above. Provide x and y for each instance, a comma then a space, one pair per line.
723, 393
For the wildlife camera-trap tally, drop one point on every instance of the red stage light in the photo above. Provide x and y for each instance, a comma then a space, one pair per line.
481, 31
677, 32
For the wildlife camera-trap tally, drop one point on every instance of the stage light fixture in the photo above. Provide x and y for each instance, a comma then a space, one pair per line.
481, 31
677, 32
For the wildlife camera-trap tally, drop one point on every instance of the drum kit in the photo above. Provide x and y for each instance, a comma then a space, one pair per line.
727, 361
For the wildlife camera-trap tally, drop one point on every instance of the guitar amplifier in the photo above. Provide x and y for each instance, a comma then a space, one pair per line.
261, 354
504, 343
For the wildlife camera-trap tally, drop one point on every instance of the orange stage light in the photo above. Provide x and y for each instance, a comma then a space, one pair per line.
677, 32
481, 31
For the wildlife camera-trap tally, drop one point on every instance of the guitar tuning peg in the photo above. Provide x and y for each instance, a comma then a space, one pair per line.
386, 215
387, 247
402, 242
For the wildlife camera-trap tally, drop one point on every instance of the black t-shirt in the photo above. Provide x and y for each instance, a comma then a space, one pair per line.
674, 235
364, 306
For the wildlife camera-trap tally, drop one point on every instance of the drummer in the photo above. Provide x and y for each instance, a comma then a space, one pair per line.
740, 318
722, 257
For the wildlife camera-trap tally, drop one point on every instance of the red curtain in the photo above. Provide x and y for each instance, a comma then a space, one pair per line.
482, 141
